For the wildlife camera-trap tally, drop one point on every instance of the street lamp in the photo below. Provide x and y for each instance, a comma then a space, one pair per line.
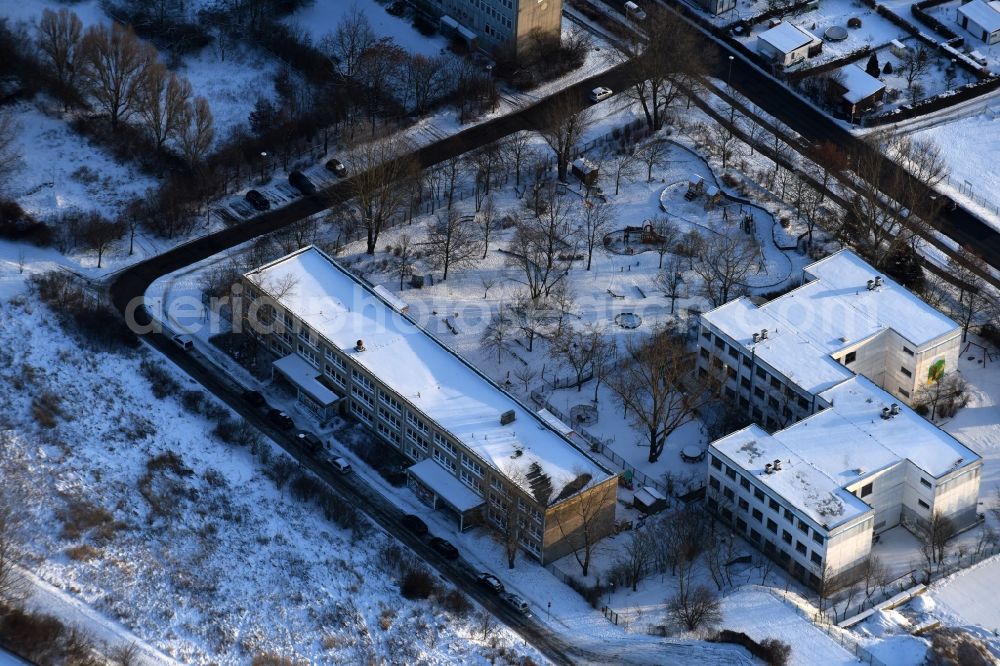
610, 592
263, 158
729, 91
729, 77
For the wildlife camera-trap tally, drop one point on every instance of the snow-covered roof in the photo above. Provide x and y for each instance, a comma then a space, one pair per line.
984, 14
398, 304
445, 485
858, 83
304, 375
833, 311
425, 373
799, 482
786, 37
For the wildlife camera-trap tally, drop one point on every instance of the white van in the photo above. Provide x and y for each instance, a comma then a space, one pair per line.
600, 93
633, 11
184, 342
340, 464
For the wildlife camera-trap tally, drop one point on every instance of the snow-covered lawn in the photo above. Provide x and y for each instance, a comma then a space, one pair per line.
963, 597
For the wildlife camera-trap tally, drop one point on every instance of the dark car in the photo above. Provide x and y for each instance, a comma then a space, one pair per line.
445, 548
257, 200
414, 524
490, 582
396, 8
254, 398
309, 441
299, 181
337, 167
280, 419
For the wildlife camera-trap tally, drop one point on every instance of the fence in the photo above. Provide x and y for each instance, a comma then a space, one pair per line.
965, 189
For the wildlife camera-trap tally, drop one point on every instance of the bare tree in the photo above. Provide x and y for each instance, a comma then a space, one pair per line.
114, 63
100, 234
649, 386
541, 243
637, 556
485, 162
935, 535
424, 79
351, 38
12, 584
597, 219
577, 348
582, 522
652, 154
943, 396
670, 279
163, 101
10, 153
694, 607
517, 151
667, 234
875, 573
974, 297
488, 282
724, 263
623, 164
722, 142
525, 373
498, 330
487, 223
59, 36
403, 259
196, 132
528, 317
452, 242
562, 126
379, 166
914, 64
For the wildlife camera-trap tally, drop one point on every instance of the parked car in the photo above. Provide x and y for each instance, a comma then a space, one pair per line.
337, 167
299, 181
396, 8
490, 582
257, 200
309, 441
600, 94
254, 398
280, 419
517, 602
445, 548
633, 11
414, 524
184, 342
340, 464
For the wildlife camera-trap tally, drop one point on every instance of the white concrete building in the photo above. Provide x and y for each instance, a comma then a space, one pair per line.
788, 44
497, 23
982, 19
829, 368
480, 454
814, 495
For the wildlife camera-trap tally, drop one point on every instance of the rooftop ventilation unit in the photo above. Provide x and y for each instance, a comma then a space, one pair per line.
777, 465
517, 453
507, 417
768, 468
894, 409
763, 334
871, 285
878, 281
756, 337
360, 346
886, 413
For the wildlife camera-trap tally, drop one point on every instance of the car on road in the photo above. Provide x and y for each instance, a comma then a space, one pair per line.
280, 419
299, 181
517, 602
633, 11
600, 94
490, 582
445, 548
254, 398
184, 342
257, 200
309, 441
414, 524
337, 167
340, 464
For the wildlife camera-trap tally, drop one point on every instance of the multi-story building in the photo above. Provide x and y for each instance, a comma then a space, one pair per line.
497, 24
479, 453
828, 368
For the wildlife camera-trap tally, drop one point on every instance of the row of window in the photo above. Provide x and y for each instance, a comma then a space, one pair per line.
757, 537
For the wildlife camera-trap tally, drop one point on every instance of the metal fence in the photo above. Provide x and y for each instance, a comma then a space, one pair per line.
965, 189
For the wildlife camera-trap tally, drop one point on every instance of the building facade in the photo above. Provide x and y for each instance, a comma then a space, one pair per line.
982, 19
826, 372
498, 24
787, 44
457, 426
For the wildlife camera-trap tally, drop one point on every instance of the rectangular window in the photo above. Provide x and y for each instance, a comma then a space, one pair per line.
903, 392
817, 538
757, 414
703, 353
761, 374
803, 527
745, 483
745, 382
728, 492
716, 463
720, 343
758, 494
362, 396
907, 351
332, 357
788, 516
849, 358
742, 524
445, 461
412, 435
758, 516
730, 393
803, 403
335, 377
775, 383
816, 559
772, 402
772, 526
707, 334
759, 393
905, 371
923, 504
746, 360
471, 481
773, 505
754, 535
786, 537
362, 380
731, 473
866, 489
714, 483
801, 548
924, 482
472, 466
444, 444
385, 415
733, 352
387, 399
731, 372
744, 505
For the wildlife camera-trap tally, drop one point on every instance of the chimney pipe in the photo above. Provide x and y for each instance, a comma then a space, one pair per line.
894, 409
360, 346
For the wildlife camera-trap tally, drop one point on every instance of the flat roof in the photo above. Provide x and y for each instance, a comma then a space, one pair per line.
800, 483
984, 14
831, 312
425, 373
445, 485
787, 37
859, 84
295, 368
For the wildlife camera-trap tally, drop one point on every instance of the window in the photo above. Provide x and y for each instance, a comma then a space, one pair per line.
759, 392
924, 482
787, 413
728, 492
757, 414
903, 392
335, 377
755, 535
472, 465
731, 473
758, 494
387, 399
786, 537
714, 483
444, 444
905, 371
720, 343
923, 504
801, 548
816, 559
445, 461
744, 403
907, 351
745, 483
788, 516
412, 435
703, 353
758, 516
803, 403
733, 352
332, 357
761, 373
772, 505
385, 415
772, 526
803, 527
818, 538
746, 360
716, 463
309, 354
744, 505
849, 358
772, 402
362, 380
866, 489
417, 423
707, 334
731, 372
745, 382
775, 383
730, 393
471, 481
362, 396
742, 524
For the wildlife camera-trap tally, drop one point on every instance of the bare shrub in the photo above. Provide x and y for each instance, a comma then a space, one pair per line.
161, 382
418, 583
269, 659
46, 408
280, 470
305, 487
192, 401
694, 608
82, 553
390, 558
43, 639
80, 516
456, 603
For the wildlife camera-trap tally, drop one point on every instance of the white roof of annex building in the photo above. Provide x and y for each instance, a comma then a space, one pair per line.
984, 14
438, 383
832, 311
858, 83
786, 37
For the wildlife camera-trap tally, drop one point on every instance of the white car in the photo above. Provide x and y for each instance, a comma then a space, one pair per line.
517, 602
600, 93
